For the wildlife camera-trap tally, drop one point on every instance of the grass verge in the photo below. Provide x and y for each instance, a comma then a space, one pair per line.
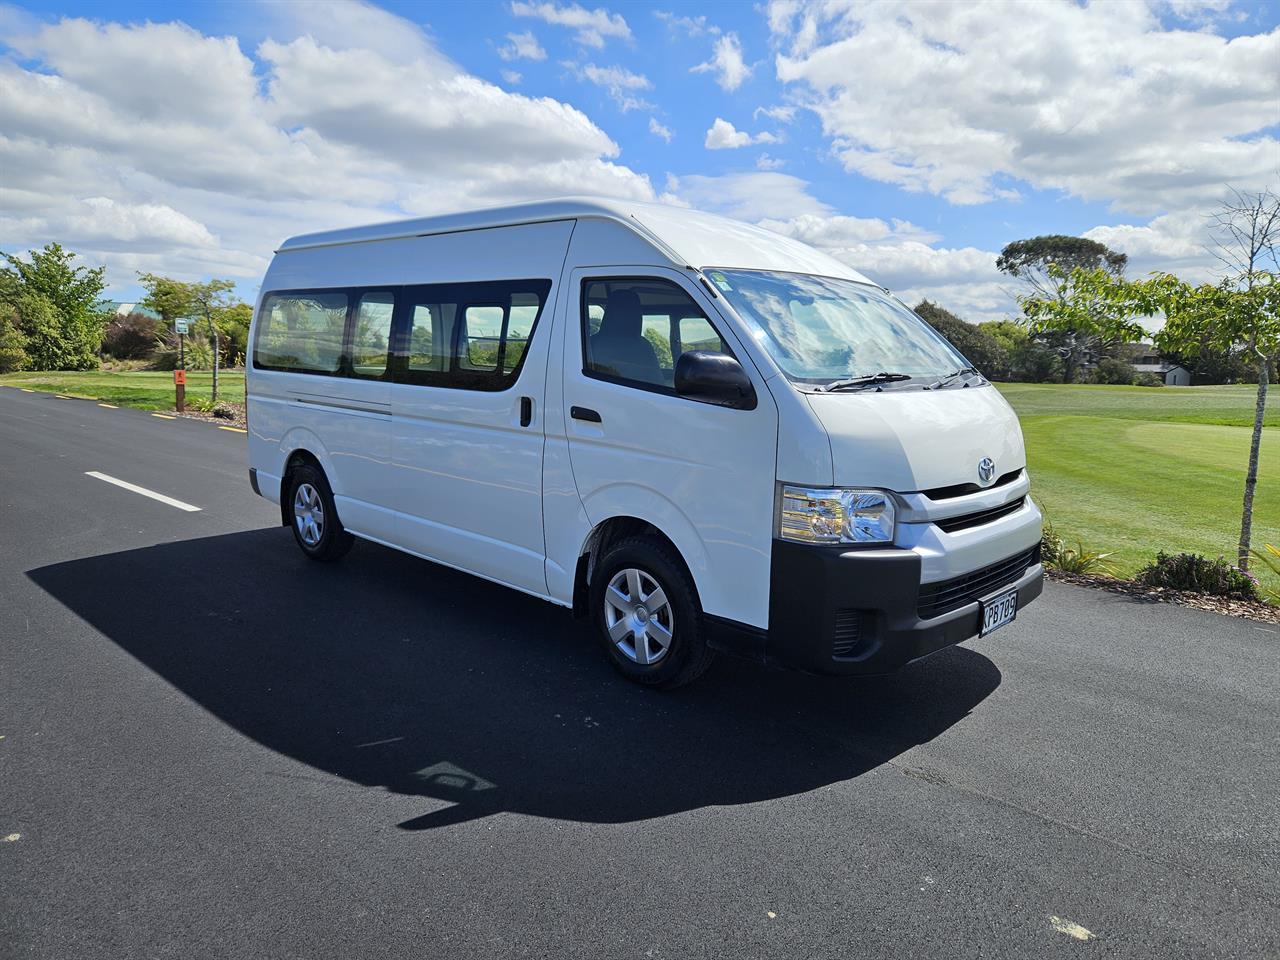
143, 389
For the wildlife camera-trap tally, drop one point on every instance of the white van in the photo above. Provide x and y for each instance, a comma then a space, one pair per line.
700, 434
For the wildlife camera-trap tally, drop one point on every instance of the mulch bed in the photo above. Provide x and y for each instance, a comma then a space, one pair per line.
1245, 609
236, 421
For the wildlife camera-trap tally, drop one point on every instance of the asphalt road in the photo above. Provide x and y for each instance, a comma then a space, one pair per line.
215, 748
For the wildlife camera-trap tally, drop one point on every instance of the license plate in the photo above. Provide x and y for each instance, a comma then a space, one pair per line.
996, 613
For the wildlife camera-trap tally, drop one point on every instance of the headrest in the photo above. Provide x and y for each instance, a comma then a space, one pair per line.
622, 316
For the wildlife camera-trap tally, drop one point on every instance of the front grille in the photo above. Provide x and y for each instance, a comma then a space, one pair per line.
936, 599
952, 524
964, 489
847, 633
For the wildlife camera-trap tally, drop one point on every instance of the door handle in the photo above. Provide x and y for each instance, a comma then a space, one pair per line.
526, 411
584, 413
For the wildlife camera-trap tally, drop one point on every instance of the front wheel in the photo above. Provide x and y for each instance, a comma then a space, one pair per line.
316, 526
646, 611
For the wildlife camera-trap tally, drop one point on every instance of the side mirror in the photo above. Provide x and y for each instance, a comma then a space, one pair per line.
714, 378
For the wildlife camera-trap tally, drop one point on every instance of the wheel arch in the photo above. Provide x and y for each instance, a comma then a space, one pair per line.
603, 536
292, 462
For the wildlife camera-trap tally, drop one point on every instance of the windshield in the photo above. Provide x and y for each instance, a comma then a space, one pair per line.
820, 330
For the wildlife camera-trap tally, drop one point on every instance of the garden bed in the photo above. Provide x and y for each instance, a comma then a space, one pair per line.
1244, 609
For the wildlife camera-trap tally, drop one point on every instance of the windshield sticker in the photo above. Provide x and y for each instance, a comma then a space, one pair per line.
721, 281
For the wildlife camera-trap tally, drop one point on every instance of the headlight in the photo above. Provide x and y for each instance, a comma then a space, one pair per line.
810, 515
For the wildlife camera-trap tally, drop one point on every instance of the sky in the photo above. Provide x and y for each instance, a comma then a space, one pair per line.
910, 139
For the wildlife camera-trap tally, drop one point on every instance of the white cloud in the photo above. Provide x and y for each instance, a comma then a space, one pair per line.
766, 162
1099, 100
590, 27
512, 77
620, 83
905, 258
522, 46
748, 196
659, 130
690, 26
726, 63
723, 135
780, 114
1177, 242
197, 160
895, 253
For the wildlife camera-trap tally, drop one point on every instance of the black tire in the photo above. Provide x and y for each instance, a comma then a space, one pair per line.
686, 656
333, 541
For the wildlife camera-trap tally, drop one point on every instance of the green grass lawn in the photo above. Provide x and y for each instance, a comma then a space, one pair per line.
1133, 470
145, 389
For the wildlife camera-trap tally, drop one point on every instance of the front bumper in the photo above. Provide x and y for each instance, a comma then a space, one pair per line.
860, 611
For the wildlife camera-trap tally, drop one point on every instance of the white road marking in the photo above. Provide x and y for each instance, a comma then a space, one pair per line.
144, 491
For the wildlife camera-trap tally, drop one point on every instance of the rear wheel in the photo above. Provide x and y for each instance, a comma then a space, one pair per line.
316, 526
646, 611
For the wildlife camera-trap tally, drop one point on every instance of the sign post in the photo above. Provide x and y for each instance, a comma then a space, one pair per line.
180, 375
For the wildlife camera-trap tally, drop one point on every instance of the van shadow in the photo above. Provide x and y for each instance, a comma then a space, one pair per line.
393, 672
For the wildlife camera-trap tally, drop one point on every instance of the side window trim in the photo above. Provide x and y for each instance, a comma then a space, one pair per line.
405, 297
583, 326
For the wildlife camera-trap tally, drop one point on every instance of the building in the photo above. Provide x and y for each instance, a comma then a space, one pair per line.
121, 309
1173, 374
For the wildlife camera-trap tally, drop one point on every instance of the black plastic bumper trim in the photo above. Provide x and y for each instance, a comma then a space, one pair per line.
815, 591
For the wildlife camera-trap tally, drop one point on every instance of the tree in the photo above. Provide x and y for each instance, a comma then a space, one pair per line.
13, 342
978, 346
1043, 264
233, 322
176, 299
55, 306
1247, 234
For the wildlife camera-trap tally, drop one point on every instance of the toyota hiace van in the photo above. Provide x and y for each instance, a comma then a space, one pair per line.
699, 434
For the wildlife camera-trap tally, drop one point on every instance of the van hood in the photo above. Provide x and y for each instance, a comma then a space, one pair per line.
908, 440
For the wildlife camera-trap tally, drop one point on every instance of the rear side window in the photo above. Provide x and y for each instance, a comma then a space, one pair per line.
470, 336
371, 335
302, 332
636, 329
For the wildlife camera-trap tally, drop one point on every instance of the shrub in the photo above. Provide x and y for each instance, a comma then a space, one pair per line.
1149, 380
1271, 557
130, 337
1055, 553
1196, 574
198, 352
1051, 545
1080, 559
1112, 371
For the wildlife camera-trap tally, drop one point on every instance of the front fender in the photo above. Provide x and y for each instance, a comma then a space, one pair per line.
632, 500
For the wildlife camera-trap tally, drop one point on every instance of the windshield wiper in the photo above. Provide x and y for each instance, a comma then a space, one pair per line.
952, 377
865, 381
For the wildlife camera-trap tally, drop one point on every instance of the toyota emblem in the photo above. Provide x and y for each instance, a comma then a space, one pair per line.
986, 469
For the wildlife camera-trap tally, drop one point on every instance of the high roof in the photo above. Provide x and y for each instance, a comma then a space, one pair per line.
686, 237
